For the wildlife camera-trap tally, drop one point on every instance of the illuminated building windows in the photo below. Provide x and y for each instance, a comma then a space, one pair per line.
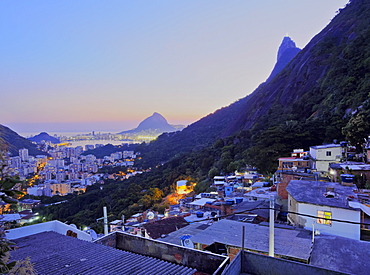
322, 216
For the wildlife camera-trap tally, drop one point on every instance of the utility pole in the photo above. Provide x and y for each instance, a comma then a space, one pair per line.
242, 252
105, 220
271, 227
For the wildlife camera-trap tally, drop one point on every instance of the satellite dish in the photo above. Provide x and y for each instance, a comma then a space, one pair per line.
150, 215
93, 234
73, 225
185, 241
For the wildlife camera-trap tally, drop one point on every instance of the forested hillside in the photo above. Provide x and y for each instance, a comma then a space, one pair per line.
14, 142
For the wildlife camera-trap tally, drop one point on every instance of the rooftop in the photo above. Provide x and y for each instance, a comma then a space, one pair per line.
325, 146
290, 243
54, 253
315, 192
350, 165
191, 229
341, 254
201, 201
261, 208
262, 193
158, 228
293, 158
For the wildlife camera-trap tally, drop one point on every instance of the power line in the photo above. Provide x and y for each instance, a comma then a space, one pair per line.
305, 215
268, 208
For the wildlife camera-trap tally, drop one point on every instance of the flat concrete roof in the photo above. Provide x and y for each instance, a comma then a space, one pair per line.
191, 229
313, 192
325, 146
291, 243
350, 165
341, 254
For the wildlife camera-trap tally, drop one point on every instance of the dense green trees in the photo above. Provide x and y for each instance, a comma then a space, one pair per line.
358, 127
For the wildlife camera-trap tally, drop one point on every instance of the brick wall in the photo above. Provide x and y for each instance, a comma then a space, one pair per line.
281, 187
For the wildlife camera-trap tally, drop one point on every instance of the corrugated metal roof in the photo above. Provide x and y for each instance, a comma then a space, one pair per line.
54, 253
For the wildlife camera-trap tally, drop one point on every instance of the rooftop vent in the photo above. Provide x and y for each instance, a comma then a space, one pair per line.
329, 188
329, 194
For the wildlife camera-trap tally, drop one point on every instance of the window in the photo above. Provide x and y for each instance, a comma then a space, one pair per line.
322, 216
328, 153
287, 164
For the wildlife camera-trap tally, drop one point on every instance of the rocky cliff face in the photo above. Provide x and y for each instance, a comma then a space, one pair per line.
286, 44
328, 77
287, 51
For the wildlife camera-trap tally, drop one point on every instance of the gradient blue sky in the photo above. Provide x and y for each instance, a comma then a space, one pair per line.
107, 65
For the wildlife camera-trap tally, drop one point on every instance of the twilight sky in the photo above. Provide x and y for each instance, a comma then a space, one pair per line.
92, 65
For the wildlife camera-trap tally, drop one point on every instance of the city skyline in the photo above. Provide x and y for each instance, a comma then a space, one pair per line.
90, 66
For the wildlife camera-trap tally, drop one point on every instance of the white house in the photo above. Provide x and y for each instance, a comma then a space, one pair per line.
324, 206
322, 155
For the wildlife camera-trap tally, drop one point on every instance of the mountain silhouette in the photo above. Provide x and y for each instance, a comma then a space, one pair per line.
43, 136
287, 51
156, 122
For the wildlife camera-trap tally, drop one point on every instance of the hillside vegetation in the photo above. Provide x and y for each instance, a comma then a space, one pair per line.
14, 142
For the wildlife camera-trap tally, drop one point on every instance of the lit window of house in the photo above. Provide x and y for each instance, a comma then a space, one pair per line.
322, 216
287, 164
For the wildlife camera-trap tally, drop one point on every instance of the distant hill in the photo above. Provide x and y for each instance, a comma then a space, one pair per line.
156, 122
44, 137
14, 142
108, 149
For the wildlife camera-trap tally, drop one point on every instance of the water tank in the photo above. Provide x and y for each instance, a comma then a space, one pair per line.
230, 202
347, 178
343, 144
238, 200
199, 214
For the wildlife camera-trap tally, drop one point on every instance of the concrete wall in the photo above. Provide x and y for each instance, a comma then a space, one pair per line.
55, 226
201, 260
109, 240
235, 267
322, 160
342, 229
261, 264
293, 207
281, 186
